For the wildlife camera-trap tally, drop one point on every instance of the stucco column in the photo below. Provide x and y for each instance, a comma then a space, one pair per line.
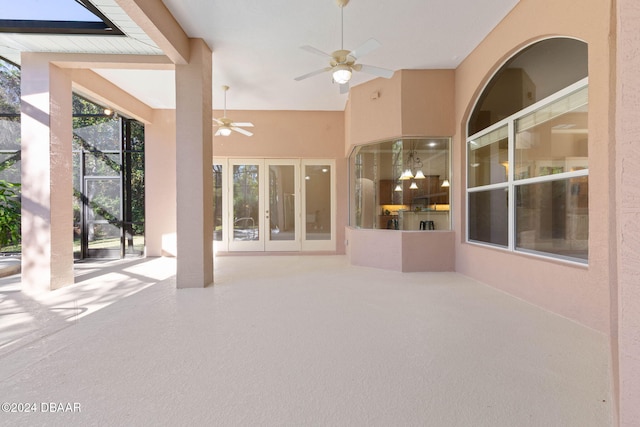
47, 195
160, 184
628, 209
194, 175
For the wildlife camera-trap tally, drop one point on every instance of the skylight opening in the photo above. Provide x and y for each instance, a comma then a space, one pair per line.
54, 17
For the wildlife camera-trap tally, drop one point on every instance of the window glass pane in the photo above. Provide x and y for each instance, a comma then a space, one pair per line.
553, 217
137, 136
104, 238
489, 158
10, 133
9, 89
54, 17
553, 139
100, 164
46, 10
395, 182
488, 216
318, 202
246, 202
104, 136
10, 166
531, 75
217, 202
103, 200
282, 202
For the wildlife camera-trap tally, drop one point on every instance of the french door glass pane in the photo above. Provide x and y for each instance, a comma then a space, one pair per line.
282, 202
217, 203
246, 209
318, 202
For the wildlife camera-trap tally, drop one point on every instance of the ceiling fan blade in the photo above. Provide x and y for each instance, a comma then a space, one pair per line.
242, 124
313, 73
376, 71
365, 48
218, 122
312, 49
242, 131
344, 88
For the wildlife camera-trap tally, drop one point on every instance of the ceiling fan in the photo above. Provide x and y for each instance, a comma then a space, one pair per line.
225, 125
342, 62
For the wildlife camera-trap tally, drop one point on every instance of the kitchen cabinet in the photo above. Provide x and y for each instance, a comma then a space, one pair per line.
387, 194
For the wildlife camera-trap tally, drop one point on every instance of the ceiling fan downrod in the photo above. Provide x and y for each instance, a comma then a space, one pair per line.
341, 5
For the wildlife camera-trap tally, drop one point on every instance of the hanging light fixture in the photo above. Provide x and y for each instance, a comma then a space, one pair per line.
413, 163
398, 188
341, 73
406, 175
413, 186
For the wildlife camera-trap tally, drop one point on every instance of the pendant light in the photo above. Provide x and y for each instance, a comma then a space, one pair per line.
445, 183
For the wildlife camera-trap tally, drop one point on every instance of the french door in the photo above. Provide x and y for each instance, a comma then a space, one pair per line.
273, 205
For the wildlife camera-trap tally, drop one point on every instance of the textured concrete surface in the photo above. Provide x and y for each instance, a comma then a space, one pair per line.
9, 265
295, 340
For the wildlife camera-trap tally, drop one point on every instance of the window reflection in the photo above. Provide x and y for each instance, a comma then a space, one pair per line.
317, 180
400, 184
535, 73
488, 216
553, 217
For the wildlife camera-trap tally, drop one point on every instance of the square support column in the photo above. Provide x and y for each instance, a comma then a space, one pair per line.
47, 189
194, 173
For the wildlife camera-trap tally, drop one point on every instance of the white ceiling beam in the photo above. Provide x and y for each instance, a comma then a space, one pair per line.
110, 61
102, 91
157, 22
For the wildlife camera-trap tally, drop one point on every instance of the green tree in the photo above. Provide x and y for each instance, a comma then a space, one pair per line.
9, 213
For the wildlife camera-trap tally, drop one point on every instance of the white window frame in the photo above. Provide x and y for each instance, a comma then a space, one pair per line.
512, 183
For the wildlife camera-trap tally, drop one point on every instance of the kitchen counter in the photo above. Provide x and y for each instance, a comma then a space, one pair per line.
410, 220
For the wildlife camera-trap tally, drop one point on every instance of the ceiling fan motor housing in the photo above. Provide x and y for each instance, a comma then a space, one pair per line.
342, 57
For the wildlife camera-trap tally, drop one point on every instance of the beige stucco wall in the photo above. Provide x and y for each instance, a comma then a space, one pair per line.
628, 211
428, 102
577, 292
411, 103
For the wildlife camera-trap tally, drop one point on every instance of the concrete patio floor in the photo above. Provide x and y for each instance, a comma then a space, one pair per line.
295, 341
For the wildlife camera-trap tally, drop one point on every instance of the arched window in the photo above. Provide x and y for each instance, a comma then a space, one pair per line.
527, 154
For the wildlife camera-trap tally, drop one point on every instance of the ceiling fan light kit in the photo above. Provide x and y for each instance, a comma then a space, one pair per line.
342, 63
341, 74
225, 125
